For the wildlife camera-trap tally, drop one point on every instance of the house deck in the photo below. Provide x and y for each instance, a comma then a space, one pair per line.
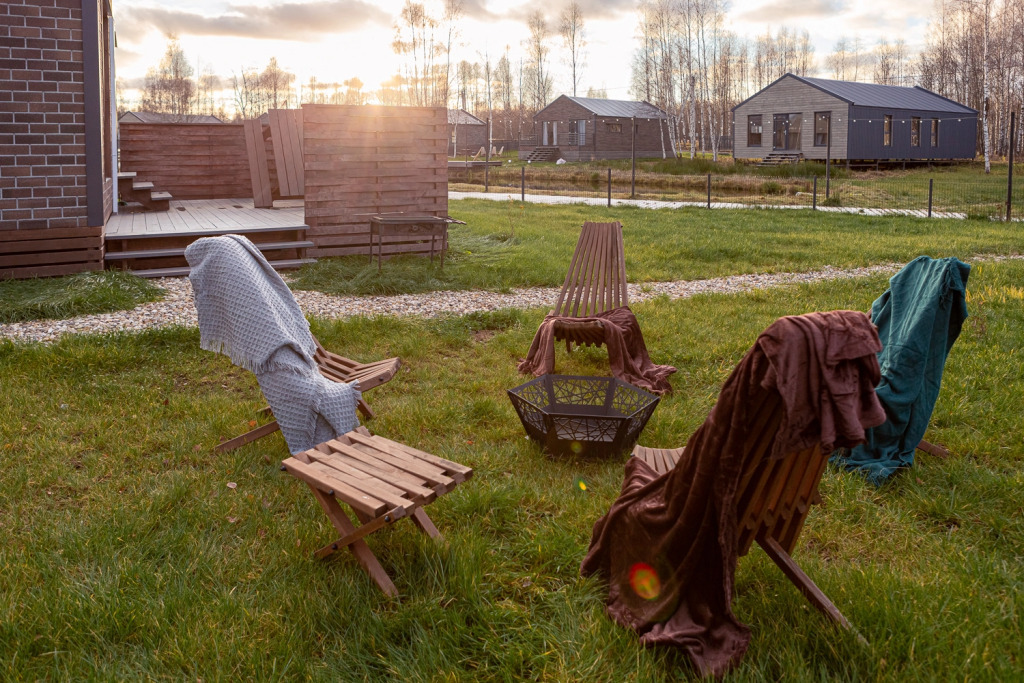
152, 243
207, 215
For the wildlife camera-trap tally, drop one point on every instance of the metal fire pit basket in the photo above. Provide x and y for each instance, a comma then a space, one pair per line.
571, 415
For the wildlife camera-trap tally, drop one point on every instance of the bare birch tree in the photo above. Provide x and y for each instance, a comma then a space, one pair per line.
574, 41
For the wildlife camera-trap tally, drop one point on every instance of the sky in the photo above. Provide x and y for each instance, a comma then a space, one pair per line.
335, 40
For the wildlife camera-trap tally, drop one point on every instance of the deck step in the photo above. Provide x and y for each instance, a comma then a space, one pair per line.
126, 175
286, 264
143, 185
161, 196
180, 251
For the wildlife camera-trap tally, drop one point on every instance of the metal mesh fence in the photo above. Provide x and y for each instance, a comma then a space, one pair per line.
940, 196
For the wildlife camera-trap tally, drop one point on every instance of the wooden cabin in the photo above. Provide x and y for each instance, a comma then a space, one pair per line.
466, 133
588, 128
795, 116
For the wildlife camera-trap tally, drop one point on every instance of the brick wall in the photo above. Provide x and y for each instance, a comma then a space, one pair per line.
42, 137
42, 120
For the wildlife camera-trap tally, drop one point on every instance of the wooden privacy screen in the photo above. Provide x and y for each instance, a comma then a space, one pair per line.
189, 160
276, 172
361, 160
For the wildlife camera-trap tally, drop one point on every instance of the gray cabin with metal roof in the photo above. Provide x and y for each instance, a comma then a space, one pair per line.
868, 122
588, 128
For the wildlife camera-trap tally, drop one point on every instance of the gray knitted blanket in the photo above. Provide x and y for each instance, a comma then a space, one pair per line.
247, 313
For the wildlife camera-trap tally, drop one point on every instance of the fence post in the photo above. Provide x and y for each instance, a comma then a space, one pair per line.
609, 186
931, 185
522, 183
814, 197
1009, 175
632, 154
709, 190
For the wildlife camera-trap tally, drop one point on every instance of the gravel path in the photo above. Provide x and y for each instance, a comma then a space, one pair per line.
177, 309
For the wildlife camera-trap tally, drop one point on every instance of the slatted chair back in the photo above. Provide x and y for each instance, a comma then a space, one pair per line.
337, 369
596, 281
774, 496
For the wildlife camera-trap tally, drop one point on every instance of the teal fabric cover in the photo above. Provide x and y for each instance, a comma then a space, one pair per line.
918, 319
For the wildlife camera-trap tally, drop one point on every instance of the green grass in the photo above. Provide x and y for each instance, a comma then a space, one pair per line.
79, 294
127, 556
663, 245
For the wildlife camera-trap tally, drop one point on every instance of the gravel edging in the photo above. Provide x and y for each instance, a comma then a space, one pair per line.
177, 308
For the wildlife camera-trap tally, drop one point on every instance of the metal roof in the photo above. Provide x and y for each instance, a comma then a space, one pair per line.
157, 117
620, 108
462, 117
886, 96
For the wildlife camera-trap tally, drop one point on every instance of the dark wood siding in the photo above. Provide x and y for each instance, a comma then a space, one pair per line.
957, 134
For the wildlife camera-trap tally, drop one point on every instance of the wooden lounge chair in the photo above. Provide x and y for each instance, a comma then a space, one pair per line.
338, 369
381, 481
773, 498
595, 283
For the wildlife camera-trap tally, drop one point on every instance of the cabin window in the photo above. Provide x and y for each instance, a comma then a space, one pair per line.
935, 132
754, 130
821, 126
614, 127
887, 131
915, 131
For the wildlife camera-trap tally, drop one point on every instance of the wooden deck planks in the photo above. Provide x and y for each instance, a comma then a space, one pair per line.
203, 215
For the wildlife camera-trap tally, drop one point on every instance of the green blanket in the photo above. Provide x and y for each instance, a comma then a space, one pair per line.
918, 319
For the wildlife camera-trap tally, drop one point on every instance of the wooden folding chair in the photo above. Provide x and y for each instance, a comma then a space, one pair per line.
595, 283
774, 496
381, 481
337, 369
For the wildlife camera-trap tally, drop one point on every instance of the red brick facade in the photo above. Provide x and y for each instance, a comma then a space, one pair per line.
43, 161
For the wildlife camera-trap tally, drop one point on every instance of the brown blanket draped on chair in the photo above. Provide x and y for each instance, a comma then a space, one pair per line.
669, 544
627, 353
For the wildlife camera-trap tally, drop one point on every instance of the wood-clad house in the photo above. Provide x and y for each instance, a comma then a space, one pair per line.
589, 128
868, 122
466, 133
57, 152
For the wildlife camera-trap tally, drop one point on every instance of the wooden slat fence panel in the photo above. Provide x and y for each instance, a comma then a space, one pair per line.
286, 134
361, 160
189, 160
46, 252
259, 173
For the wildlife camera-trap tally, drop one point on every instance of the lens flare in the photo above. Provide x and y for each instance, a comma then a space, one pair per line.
644, 581
581, 485
576, 447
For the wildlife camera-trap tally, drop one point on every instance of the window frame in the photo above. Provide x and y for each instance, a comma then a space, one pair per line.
935, 133
825, 116
887, 130
915, 131
614, 127
760, 130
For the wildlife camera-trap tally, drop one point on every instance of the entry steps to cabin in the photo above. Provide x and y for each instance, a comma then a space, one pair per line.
131, 189
543, 153
780, 158
163, 255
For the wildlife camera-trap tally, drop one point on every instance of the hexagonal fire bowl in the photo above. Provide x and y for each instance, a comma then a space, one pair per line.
571, 415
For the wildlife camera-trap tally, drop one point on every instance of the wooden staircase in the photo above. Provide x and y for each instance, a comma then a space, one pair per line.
130, 189
164, 255
781, 158
543, 153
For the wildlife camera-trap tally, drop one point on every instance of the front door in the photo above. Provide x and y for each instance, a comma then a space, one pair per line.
786, 131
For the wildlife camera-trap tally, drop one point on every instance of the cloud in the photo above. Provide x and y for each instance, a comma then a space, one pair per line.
775, 10
592, 10
291, 21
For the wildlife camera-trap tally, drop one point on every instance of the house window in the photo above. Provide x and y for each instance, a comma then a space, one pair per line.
614, 127
935, 132
915, 131
887, 131
821, 126
754, 130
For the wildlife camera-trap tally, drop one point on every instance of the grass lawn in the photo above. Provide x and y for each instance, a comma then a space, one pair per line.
128, 556
511, 244
78, 294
